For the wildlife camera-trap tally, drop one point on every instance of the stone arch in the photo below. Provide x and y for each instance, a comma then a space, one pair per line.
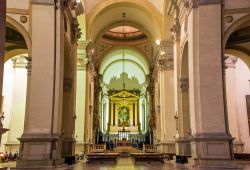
21, 30
234, 27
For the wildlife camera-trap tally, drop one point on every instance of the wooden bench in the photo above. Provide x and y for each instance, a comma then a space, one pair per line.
98, 154
149, 155
102, 157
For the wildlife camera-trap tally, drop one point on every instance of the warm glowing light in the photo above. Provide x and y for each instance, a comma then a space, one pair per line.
158, 42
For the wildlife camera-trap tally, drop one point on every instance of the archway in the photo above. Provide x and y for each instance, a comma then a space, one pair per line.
237, 59
15, 83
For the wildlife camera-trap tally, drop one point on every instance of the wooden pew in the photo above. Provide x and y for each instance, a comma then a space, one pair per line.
98, 154
149, 155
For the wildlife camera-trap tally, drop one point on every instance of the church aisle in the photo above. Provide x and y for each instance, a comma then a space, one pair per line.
128, 164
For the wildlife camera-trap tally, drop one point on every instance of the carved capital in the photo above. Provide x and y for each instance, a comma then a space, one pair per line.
230, 61
75, 31
29, 65
186, 3
166, 55
166, 64
175, 30
81, 63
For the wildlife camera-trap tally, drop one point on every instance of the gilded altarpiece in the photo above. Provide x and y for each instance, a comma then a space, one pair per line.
124, 111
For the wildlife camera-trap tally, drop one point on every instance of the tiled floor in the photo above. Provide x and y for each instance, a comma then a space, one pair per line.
128, 164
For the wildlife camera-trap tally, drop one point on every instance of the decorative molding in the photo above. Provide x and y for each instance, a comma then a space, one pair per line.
43, 2
17, 11
236, 11
229, 19
196, 3
146, 48
82, 45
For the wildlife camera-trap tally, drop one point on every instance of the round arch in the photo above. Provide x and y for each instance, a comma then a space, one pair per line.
21, 30
142, 8
234, 27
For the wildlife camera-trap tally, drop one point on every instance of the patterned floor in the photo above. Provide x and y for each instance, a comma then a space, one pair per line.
128, 164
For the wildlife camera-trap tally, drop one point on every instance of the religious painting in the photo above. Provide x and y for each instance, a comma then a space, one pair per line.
123, 116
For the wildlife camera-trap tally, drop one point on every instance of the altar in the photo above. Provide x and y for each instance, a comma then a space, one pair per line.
124, 113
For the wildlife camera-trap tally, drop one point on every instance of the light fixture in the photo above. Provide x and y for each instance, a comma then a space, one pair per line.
123, 68
123, 50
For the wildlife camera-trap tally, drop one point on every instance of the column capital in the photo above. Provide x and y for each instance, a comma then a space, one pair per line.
230, 61
29, 65
166, 55
81, 63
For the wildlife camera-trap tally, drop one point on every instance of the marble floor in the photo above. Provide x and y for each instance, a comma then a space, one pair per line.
128, 164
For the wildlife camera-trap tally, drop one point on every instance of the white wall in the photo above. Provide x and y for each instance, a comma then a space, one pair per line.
7, 100
14, 92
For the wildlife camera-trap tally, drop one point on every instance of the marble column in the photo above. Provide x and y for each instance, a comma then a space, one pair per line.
167, 106
40, 143
211, 141
80, 100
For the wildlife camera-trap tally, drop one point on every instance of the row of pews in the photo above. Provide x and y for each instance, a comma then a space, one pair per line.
100, 154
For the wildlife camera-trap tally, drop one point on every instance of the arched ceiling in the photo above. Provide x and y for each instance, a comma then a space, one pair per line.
135, 67
140, 14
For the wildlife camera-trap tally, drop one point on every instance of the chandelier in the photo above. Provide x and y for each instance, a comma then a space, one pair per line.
123, 68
